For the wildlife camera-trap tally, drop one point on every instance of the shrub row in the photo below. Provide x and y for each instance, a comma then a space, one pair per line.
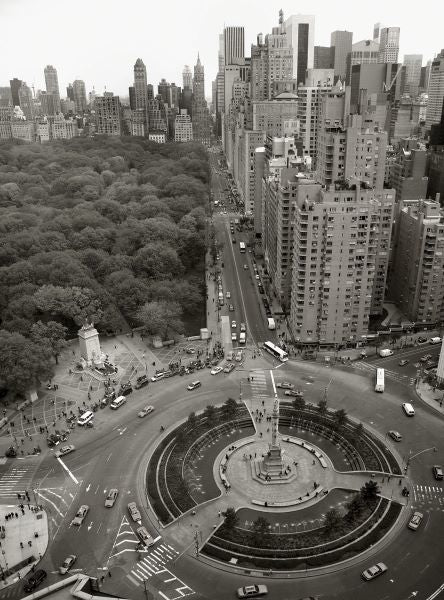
152, 488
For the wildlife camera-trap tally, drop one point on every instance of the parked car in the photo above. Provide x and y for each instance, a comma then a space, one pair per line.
245, 267
111, 498
422, 340
64, 450
231, 308
228, 295
285, 385
425, 358
216, 370
243, 327
415, 520
53, 440
437, 472
146, 411
35, 580
158, 376
141, 382
374, 571
229, 367
403, 362
67, 564
233, 324
234, 336
395, 435
190, 350
134, 512
80, 515
252, 591
294, 393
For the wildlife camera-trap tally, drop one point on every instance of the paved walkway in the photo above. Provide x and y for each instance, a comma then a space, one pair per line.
26, 539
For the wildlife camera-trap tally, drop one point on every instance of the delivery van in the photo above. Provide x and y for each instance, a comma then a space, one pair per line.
384, 352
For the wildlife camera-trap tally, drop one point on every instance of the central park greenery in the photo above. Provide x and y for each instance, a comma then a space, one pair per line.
109, 230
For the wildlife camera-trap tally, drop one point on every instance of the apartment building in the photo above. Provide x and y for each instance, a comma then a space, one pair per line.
183, 128
108, 117
340, 259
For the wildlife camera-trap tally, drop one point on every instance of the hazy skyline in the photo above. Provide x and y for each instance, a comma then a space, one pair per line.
99, 42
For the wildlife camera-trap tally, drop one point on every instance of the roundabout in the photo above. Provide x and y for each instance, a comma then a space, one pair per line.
268, 463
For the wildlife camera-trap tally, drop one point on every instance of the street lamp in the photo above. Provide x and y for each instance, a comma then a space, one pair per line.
433, 448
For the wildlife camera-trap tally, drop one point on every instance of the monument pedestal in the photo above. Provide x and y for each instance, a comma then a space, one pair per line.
90, 351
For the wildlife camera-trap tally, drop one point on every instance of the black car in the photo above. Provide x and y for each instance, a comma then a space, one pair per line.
35, 580
52, 440
141, 382
11, 452
125, 389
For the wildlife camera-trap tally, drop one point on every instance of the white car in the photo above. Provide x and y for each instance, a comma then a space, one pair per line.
157, 376
134, 512
111, 498
233, 324
216, 370
415, 520
286, 385
67, 564
252, 591
243, 327
374, 571
228, 295
257, 276
245, 267
146, 411
64, 450
80, 515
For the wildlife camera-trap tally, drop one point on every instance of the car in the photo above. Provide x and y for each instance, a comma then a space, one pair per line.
146, 411
422, 340
252, 591
294, 393
233, 240
64, 450
53, 440
257, 276
193, 385
425, 358
395, 435
229, 367
403, 362
141, 382
374, 571
134, 512
216, 370
228, 295
243, 327
239, 356
245, 267
67, 564
11, 452
145, 537
285, 385
35, 580
231, 308
157, 376
80, 515
233, 324
234, 336
437, 472
415, 520
190, 350
111, 498
408, 409
230, 354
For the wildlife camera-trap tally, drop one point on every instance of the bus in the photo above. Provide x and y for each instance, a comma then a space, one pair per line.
276, 351
379, 387
242, 247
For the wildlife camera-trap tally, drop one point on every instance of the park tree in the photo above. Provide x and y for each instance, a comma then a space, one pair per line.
332, 520
369, 491
52, 335
261, 529
230, 408
358, 431
210, 414
79, 304
157, 261
322, 407
160, 318
340, 418
24, 364
354, 508
298, 403
231, 519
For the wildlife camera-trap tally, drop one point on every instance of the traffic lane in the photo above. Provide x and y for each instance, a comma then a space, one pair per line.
413, 355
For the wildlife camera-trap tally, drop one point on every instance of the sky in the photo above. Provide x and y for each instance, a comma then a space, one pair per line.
99, 40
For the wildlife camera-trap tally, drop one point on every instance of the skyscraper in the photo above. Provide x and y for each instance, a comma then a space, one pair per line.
15, 85
107, 109
201, 117
26, 101
300, 35
342, 42
164, 90
70, 92
389, 45
79, 95
234, 45
435, 91
187, 78
140, 85
52, 85
413, 65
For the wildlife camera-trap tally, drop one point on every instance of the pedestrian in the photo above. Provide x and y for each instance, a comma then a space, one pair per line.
29, 543
314, 462
399, 482
109, 574
219, 513
263, 402
21, 544
102, 579
16, 515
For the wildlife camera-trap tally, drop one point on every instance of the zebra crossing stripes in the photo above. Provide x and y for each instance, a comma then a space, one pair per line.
428, 494
371, 368
16, 481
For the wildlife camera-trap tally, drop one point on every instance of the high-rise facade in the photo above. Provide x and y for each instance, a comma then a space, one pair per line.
187, 78
341, 42
200, 114
233, 45
107, 109
26, 101
140, 85
413, 65
340, 259
164, 90
324, 57
389, 45
417, 281
15, 85
364, 52
408, 171
300, 35
79, 96
435, 91
183, 128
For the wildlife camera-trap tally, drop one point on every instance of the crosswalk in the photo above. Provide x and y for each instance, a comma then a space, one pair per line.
16, 480
154, 563
258, 384
371, 368
431, 496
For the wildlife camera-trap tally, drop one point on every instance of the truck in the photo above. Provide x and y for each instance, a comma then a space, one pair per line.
384, 352
271, 323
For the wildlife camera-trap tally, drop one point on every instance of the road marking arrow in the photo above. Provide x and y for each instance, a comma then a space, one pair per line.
122, 431
87, 487
90, 525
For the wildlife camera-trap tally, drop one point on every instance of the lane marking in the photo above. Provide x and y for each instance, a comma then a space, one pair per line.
67, 470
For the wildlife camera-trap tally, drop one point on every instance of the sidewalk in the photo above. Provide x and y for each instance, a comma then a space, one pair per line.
432, 397
25, 541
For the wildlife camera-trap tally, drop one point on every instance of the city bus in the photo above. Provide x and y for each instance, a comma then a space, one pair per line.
242, 247
379, 387
276, 351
